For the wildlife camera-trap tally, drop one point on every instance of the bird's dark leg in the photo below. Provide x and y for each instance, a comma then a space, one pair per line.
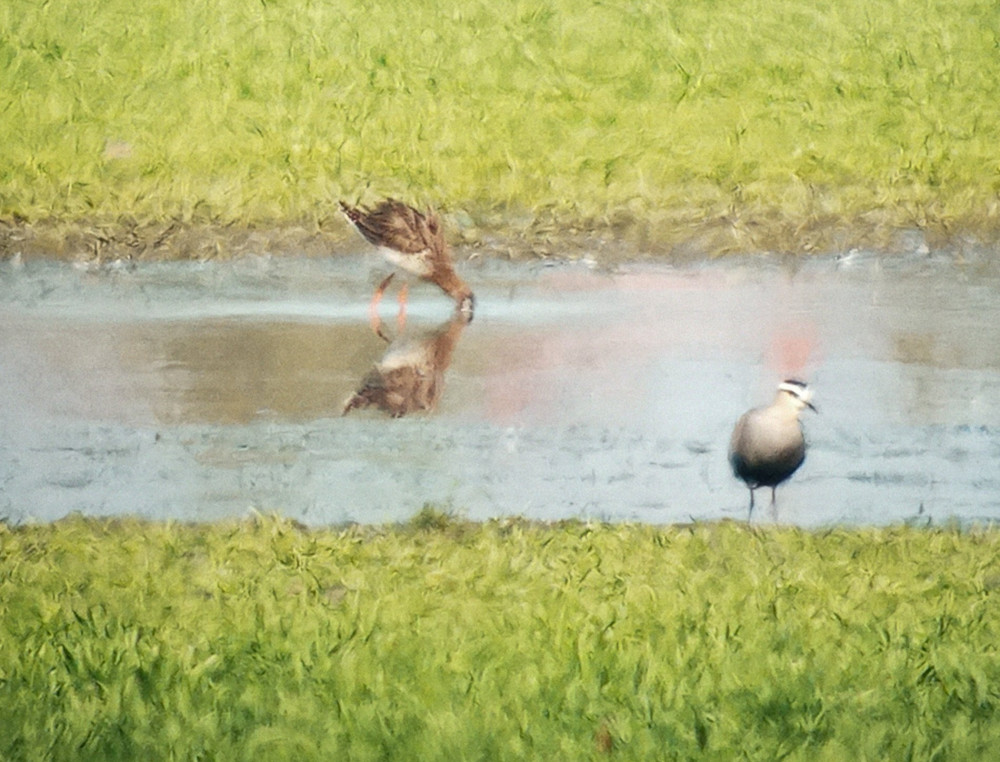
749, 515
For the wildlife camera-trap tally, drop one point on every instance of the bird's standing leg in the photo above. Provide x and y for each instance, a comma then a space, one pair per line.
373, 316
750, 515
401, 317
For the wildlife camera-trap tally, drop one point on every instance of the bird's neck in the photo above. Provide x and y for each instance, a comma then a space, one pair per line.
454, 286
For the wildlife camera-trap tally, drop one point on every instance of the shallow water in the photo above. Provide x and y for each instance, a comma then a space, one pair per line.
197, 391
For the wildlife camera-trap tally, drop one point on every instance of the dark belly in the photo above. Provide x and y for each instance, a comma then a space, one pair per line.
767, 474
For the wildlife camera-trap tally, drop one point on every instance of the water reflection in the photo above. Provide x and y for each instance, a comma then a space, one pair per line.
410, 375
196, 391
236, 371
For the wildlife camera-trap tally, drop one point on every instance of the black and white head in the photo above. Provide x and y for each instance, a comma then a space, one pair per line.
798, 392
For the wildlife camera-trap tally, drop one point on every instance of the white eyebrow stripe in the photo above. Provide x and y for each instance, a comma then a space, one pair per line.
800, 390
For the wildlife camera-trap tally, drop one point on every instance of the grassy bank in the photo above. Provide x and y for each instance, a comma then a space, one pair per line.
751, 123
441, 640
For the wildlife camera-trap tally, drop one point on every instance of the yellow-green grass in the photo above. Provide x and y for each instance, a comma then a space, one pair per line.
756, 115
443, 640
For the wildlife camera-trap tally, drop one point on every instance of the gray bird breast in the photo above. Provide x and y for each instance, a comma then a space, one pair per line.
763, 454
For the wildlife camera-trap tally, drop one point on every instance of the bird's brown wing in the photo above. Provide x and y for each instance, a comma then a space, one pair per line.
397, 226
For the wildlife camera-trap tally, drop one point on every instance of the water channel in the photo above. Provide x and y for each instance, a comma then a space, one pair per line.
203, 390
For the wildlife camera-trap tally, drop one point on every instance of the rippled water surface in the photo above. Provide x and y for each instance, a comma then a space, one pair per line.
197, 391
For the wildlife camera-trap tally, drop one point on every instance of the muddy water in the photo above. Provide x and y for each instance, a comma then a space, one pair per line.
197, 391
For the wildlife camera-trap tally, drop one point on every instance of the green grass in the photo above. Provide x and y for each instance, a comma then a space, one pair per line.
507, 640
759, 116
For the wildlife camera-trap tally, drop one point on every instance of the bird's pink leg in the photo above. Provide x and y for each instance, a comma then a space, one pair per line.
373, 316
401, 317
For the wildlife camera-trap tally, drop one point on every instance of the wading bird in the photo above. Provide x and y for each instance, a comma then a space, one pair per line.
414, 243
767, 445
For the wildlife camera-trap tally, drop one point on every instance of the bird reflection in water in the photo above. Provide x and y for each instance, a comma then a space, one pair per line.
410, 376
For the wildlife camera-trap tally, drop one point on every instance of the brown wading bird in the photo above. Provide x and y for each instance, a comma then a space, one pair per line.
413, 242
410, 376
767, 445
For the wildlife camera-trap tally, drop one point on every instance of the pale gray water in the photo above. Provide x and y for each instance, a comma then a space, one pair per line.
197, 391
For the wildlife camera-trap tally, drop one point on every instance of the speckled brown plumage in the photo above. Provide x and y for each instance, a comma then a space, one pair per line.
410, 376
414, 242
